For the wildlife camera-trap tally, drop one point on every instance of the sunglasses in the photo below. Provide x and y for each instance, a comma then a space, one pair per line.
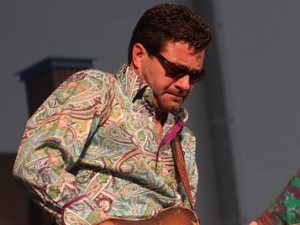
179, 71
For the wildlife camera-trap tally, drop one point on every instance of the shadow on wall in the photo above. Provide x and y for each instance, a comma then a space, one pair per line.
14, 202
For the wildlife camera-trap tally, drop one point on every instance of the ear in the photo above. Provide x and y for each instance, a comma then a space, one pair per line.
138, 54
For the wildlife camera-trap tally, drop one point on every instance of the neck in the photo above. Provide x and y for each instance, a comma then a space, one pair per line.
160, 116
160, 119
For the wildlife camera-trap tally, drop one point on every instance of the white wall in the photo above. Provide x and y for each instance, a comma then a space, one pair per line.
259, 49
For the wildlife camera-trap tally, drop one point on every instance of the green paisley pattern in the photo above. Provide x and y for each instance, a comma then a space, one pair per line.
90, 151
286, 208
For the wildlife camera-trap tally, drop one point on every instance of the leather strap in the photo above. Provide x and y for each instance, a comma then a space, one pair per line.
180, 164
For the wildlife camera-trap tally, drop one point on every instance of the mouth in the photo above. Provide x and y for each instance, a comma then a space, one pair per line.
178, 98
178, 95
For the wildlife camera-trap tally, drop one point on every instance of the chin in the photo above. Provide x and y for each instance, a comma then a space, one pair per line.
168, 105
171, 108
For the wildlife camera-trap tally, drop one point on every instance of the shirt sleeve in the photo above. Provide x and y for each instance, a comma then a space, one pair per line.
54, 141
286, 207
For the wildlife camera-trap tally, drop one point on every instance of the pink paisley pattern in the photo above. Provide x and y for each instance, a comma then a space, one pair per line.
90, 151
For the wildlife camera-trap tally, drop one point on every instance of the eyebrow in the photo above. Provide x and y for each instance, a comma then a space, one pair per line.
185, 67
180, 65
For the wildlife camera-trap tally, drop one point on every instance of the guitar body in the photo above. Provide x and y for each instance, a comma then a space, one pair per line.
168, 216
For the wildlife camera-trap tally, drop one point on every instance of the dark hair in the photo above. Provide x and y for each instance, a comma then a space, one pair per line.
169, 22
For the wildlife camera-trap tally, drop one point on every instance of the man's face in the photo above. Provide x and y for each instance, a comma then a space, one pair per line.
169, 91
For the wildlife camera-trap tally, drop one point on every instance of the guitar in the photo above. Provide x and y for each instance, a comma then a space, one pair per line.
170, 216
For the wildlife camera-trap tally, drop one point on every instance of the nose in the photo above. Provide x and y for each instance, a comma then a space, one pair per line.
184, 83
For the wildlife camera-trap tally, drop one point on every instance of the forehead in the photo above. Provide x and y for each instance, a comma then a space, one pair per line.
179, 48
177, 45
182, 52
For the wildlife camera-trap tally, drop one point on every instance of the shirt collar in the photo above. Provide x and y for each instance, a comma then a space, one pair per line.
136, 88
130, 82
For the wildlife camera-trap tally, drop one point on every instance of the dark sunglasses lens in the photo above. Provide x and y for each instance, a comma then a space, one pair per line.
197, 76
176, 71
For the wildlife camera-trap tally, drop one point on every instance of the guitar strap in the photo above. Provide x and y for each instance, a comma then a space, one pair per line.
172, 137
182, 171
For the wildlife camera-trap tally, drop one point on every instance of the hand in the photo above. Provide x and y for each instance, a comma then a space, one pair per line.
253, 223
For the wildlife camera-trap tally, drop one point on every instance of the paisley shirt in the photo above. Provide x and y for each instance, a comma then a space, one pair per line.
286, 207
91, 151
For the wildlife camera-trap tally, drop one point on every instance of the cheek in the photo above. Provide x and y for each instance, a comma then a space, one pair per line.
164, 85
160, 83
156, 79
151, 74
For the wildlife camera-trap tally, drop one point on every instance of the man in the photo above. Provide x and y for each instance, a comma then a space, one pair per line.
285, 209
100, 146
